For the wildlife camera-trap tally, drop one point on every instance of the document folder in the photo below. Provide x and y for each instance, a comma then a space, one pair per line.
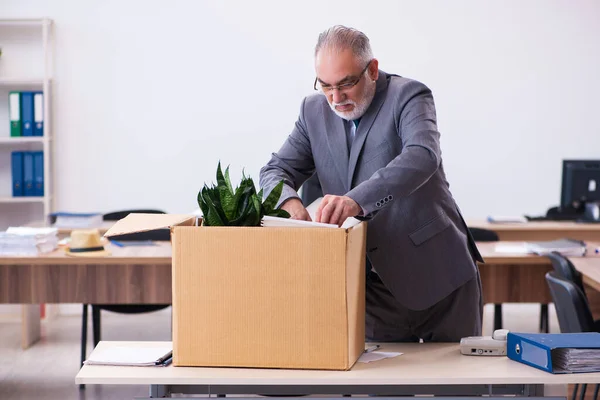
14, 107
28, 189
38, 173
38, 114
27, 113
557, 353
17, 173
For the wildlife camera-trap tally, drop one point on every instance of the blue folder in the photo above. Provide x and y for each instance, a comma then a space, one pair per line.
16, 159
38, 173
28, 189
541, 350
27, 113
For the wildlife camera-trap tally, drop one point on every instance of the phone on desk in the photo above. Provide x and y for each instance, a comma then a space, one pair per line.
494, 345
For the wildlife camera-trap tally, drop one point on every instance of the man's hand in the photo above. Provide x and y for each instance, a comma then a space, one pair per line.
296, 209
335, 209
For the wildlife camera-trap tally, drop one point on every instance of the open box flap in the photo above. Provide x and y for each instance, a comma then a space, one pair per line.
134, 223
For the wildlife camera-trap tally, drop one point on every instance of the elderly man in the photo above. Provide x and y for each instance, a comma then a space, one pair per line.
371, 139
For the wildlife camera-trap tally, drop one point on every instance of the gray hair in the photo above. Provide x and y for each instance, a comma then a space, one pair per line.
339, 38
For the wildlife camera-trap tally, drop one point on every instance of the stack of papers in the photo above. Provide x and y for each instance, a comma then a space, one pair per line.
77, 220
312, 210
18, 241
576, 360
269, 221
134, 356
566, 247
501, 219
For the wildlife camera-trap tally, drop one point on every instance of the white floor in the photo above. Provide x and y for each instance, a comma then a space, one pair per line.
47, 370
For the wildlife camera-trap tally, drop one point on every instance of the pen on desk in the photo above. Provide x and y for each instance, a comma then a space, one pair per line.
167, 362
372, 348
119, 244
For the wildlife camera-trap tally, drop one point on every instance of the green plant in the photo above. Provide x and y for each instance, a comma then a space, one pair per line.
221, 205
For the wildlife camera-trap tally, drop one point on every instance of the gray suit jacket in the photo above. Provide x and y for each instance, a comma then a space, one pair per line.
417, 240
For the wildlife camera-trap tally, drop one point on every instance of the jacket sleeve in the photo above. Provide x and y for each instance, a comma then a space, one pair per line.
293, 163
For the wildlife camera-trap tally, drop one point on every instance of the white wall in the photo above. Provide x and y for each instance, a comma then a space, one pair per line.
149, 95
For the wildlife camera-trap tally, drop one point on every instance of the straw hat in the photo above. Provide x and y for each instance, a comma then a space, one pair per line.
86, 243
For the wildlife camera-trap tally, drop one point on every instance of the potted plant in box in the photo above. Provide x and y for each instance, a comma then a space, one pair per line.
221, 205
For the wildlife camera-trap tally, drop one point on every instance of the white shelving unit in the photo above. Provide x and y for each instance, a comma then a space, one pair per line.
24, 41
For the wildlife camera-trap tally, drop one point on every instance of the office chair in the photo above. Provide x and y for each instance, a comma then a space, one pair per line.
154, 235
573, 312
565, 269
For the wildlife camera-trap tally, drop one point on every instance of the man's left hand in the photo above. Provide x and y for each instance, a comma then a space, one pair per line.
335, 209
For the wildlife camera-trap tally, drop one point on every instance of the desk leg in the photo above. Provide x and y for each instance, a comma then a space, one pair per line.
30, 324
159, 391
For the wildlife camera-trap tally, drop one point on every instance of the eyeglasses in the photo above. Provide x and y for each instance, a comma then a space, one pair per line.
344, 87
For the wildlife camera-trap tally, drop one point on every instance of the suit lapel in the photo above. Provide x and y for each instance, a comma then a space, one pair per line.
338, 146
365, 125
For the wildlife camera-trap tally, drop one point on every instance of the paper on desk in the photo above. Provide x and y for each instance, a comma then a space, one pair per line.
376, 356
129, 356
512, 248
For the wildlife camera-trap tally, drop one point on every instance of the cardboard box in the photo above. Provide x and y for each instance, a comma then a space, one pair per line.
269, 297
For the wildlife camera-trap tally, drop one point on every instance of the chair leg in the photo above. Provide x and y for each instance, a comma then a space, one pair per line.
544, 323
596, 389
96, 324
497, 316
582, 391
84, 323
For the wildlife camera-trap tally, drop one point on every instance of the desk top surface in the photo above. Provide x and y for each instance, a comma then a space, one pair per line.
106, 225
566, 226
157, 253
421, 364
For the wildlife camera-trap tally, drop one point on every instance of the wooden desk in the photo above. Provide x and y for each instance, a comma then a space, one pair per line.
541, 230
142, 275
430, 368
590, 271
131, 275
514, 278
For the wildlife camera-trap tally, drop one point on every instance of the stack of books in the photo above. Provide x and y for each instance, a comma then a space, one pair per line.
19, 241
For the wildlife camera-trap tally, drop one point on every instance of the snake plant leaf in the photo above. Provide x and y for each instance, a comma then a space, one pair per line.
271, 200
212, 218
228, 181
201, 202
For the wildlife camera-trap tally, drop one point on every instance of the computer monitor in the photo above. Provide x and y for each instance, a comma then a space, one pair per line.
580, 183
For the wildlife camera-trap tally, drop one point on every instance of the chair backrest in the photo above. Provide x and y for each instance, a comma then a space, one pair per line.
154, 235
117, 215
484, 235
572, 308
565, 269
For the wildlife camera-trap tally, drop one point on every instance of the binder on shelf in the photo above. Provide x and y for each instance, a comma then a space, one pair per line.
14, 111
38, 173
38, 114
16, 158
28, 189
557, 353
27, 113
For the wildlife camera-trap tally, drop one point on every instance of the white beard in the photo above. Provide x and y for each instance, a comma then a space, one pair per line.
359, 108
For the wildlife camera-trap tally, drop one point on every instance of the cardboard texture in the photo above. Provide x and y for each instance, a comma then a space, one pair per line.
267, 297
